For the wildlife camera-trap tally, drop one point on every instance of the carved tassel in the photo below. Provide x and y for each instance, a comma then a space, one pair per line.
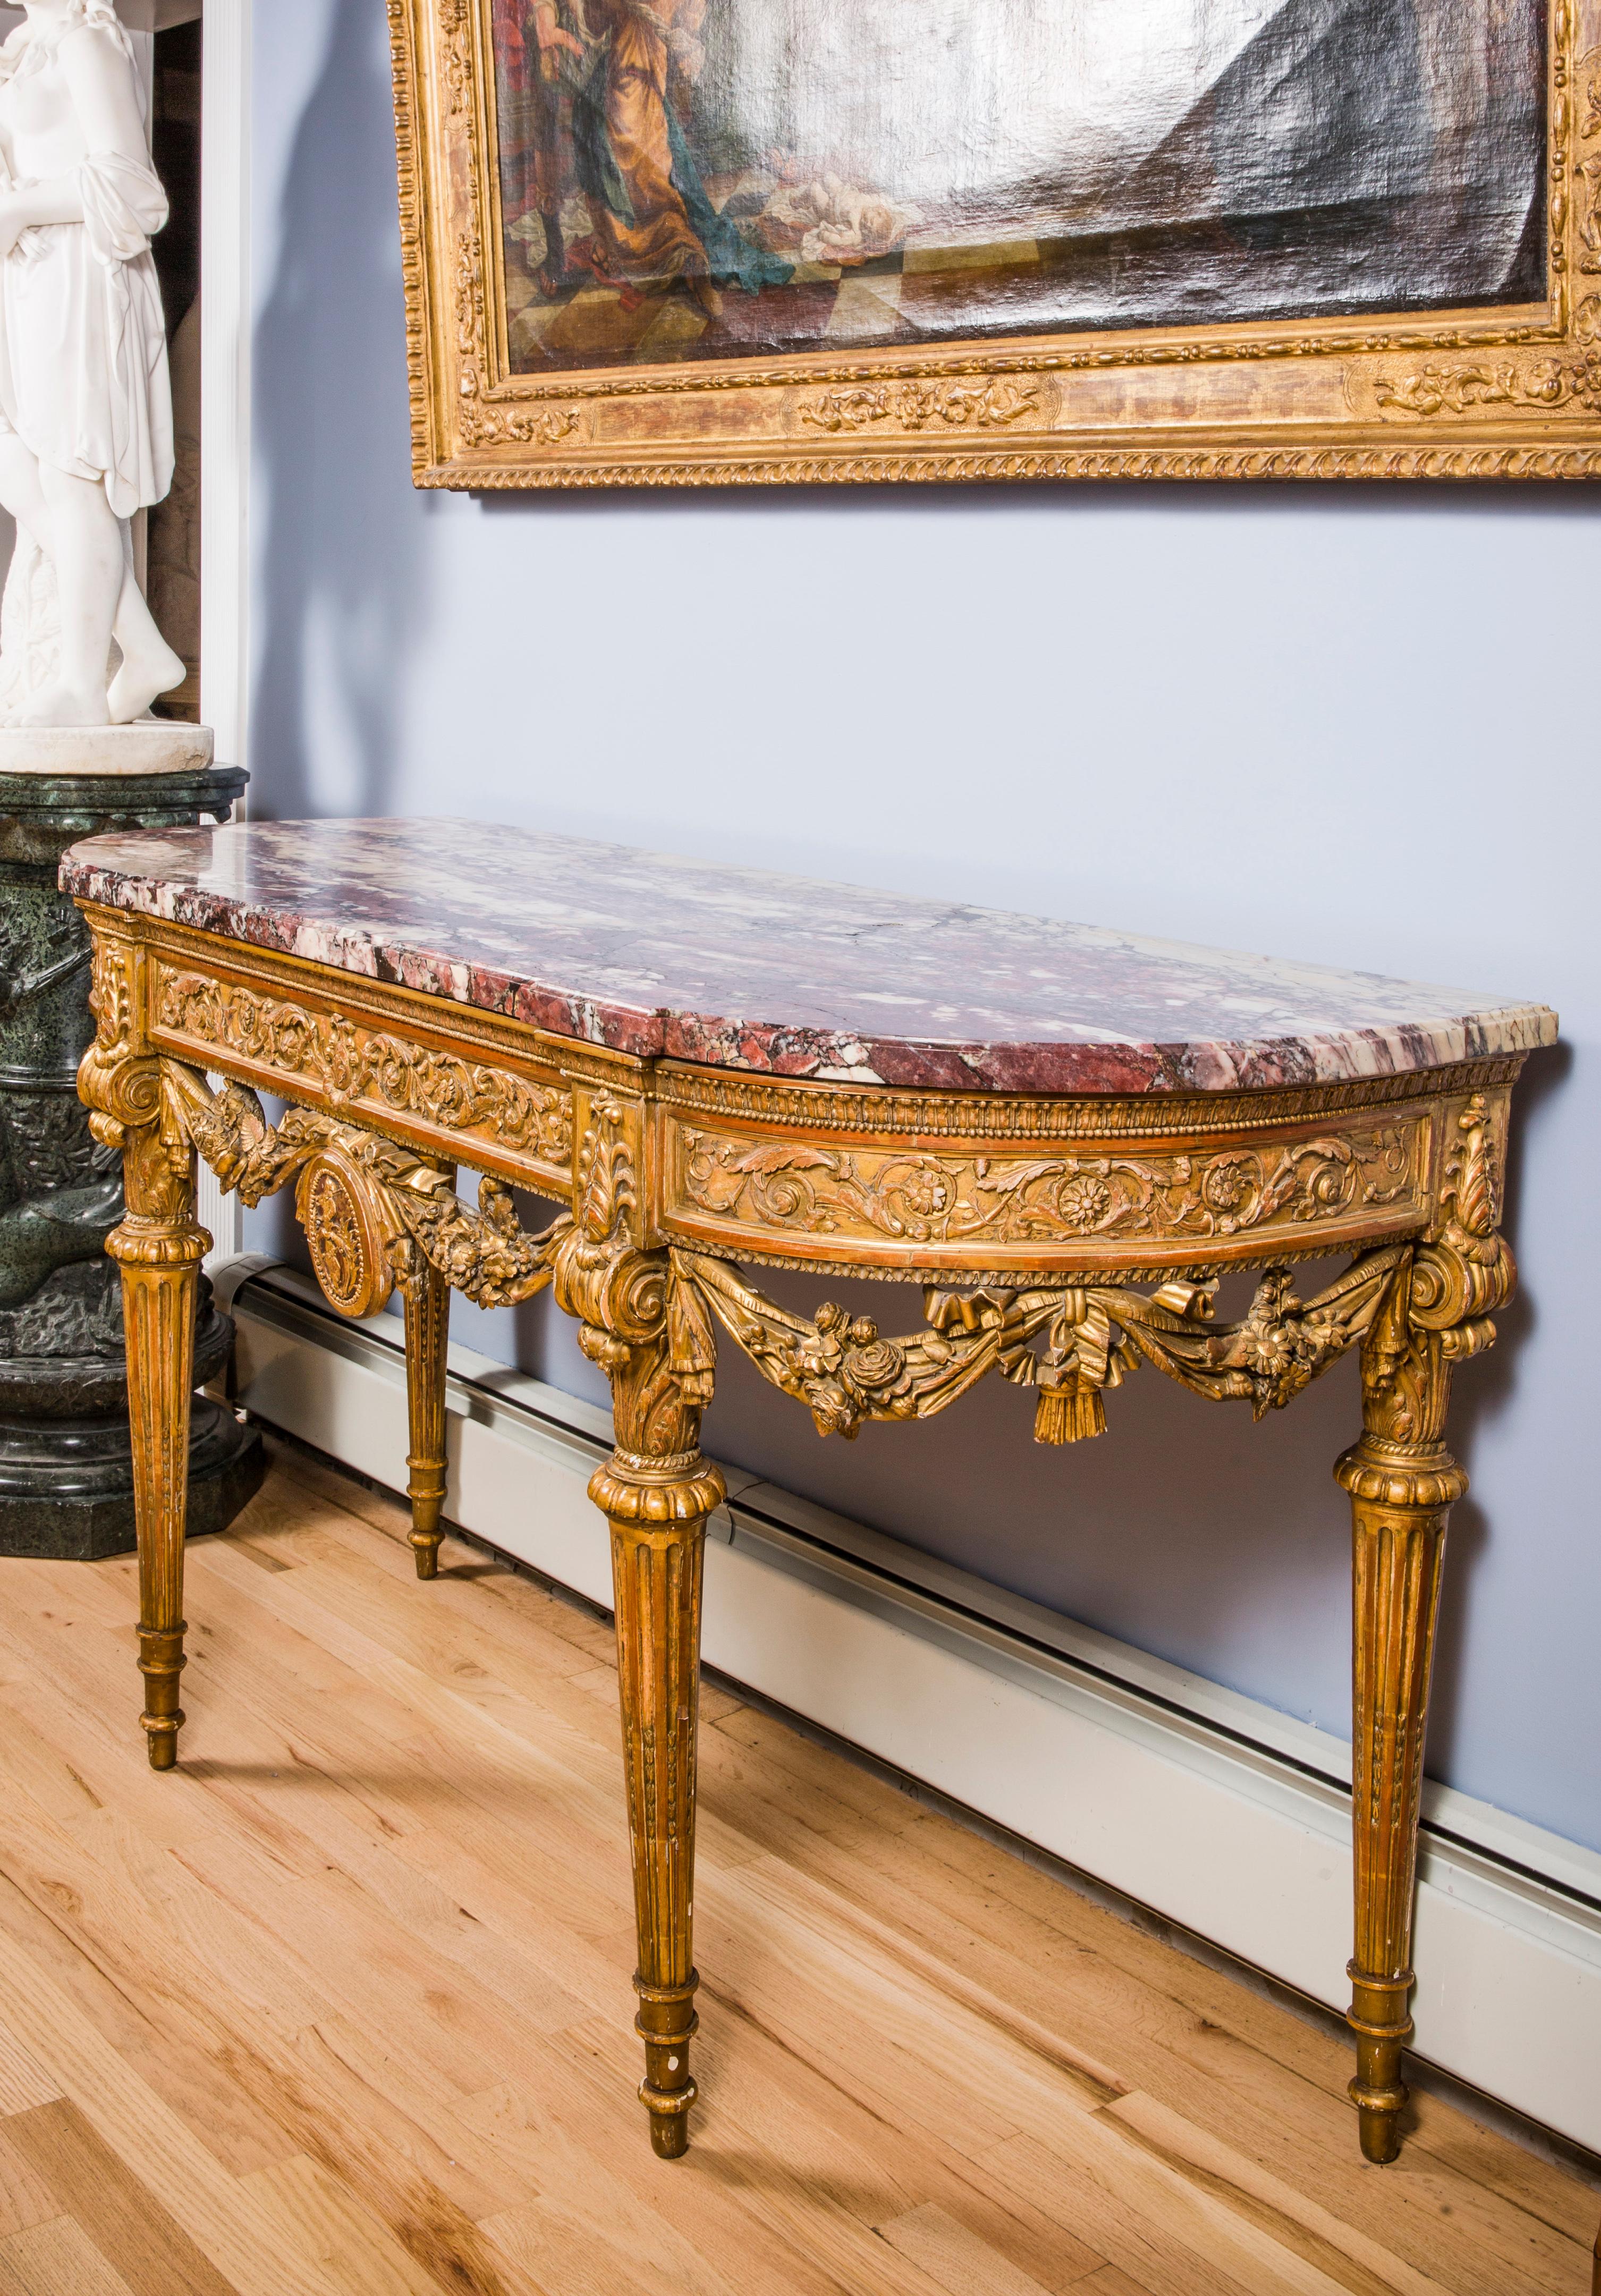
1068, 1415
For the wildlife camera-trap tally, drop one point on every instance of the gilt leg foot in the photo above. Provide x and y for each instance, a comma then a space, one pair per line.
427, 1340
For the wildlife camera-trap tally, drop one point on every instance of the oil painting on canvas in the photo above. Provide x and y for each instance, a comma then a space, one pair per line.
688, 180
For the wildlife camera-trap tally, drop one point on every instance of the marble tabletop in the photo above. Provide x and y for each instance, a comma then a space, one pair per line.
741, 969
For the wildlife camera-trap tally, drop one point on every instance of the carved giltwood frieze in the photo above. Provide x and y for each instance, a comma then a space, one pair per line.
1073, 1342
348, 1062
1541, 387
788, 1188
376, 1213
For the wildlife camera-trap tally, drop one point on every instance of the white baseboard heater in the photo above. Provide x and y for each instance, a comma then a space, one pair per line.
1215, 1810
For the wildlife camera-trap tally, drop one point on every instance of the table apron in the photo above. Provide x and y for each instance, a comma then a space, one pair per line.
1293, 1189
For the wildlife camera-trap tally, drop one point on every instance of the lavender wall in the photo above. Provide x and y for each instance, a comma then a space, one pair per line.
1334, 725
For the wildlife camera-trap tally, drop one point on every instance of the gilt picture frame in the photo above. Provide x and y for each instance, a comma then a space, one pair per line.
689, 243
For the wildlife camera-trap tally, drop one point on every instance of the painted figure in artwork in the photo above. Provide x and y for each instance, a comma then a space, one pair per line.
539, 55
652, 219
603, 92
86, 400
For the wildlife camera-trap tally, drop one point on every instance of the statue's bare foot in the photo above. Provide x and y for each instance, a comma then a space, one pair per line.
66, 705
145, 672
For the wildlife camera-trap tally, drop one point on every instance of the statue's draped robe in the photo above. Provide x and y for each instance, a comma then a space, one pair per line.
84, 377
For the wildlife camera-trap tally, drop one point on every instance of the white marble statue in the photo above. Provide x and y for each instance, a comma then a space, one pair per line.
85, 400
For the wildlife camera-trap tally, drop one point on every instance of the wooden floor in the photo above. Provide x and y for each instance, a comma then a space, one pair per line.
342, 2008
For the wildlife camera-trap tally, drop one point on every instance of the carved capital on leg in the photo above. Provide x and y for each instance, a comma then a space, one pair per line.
641, 1324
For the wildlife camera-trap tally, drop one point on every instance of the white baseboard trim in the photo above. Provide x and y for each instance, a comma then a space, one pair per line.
1219, 1812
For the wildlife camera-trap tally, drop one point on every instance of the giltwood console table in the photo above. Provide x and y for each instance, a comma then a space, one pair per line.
1064, 1136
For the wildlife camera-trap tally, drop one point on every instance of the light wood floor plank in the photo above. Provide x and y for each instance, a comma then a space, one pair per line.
1180, 2034
25, 2199
359, 2254
1346, 2254
23, 2080
154, 2255
342, 2007
174, 2167
57, 2258
961, 2263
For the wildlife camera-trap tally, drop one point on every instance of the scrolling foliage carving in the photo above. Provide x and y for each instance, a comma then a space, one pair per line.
620, 1297
1445, 1312
350, 1063
930, 1199
984, 405
394, 1195
1545, 388
1423, 1306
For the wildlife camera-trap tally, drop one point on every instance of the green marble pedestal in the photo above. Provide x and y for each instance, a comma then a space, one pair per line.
66, 1468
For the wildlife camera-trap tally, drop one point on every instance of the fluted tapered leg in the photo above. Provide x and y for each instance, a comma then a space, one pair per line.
427, 1338
158, 1249
658, 1516
1401, 1493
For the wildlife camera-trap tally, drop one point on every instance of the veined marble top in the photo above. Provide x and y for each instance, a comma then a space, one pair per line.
741, 969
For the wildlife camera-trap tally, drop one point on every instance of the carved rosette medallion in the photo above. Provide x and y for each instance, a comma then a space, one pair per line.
350, 1233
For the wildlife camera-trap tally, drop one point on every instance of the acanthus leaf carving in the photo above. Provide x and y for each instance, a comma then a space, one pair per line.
1441, 1312
118, 1080
410, 1202
635, 1323
1544, 387
984, 404
1466, 1272
110, 992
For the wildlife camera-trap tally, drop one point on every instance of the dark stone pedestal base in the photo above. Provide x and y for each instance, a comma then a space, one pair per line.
66, 1461
44, 1511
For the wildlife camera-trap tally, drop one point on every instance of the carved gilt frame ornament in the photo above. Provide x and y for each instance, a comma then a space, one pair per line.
1499, 391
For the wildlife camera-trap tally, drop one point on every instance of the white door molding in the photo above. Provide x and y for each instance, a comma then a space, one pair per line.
226, 319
